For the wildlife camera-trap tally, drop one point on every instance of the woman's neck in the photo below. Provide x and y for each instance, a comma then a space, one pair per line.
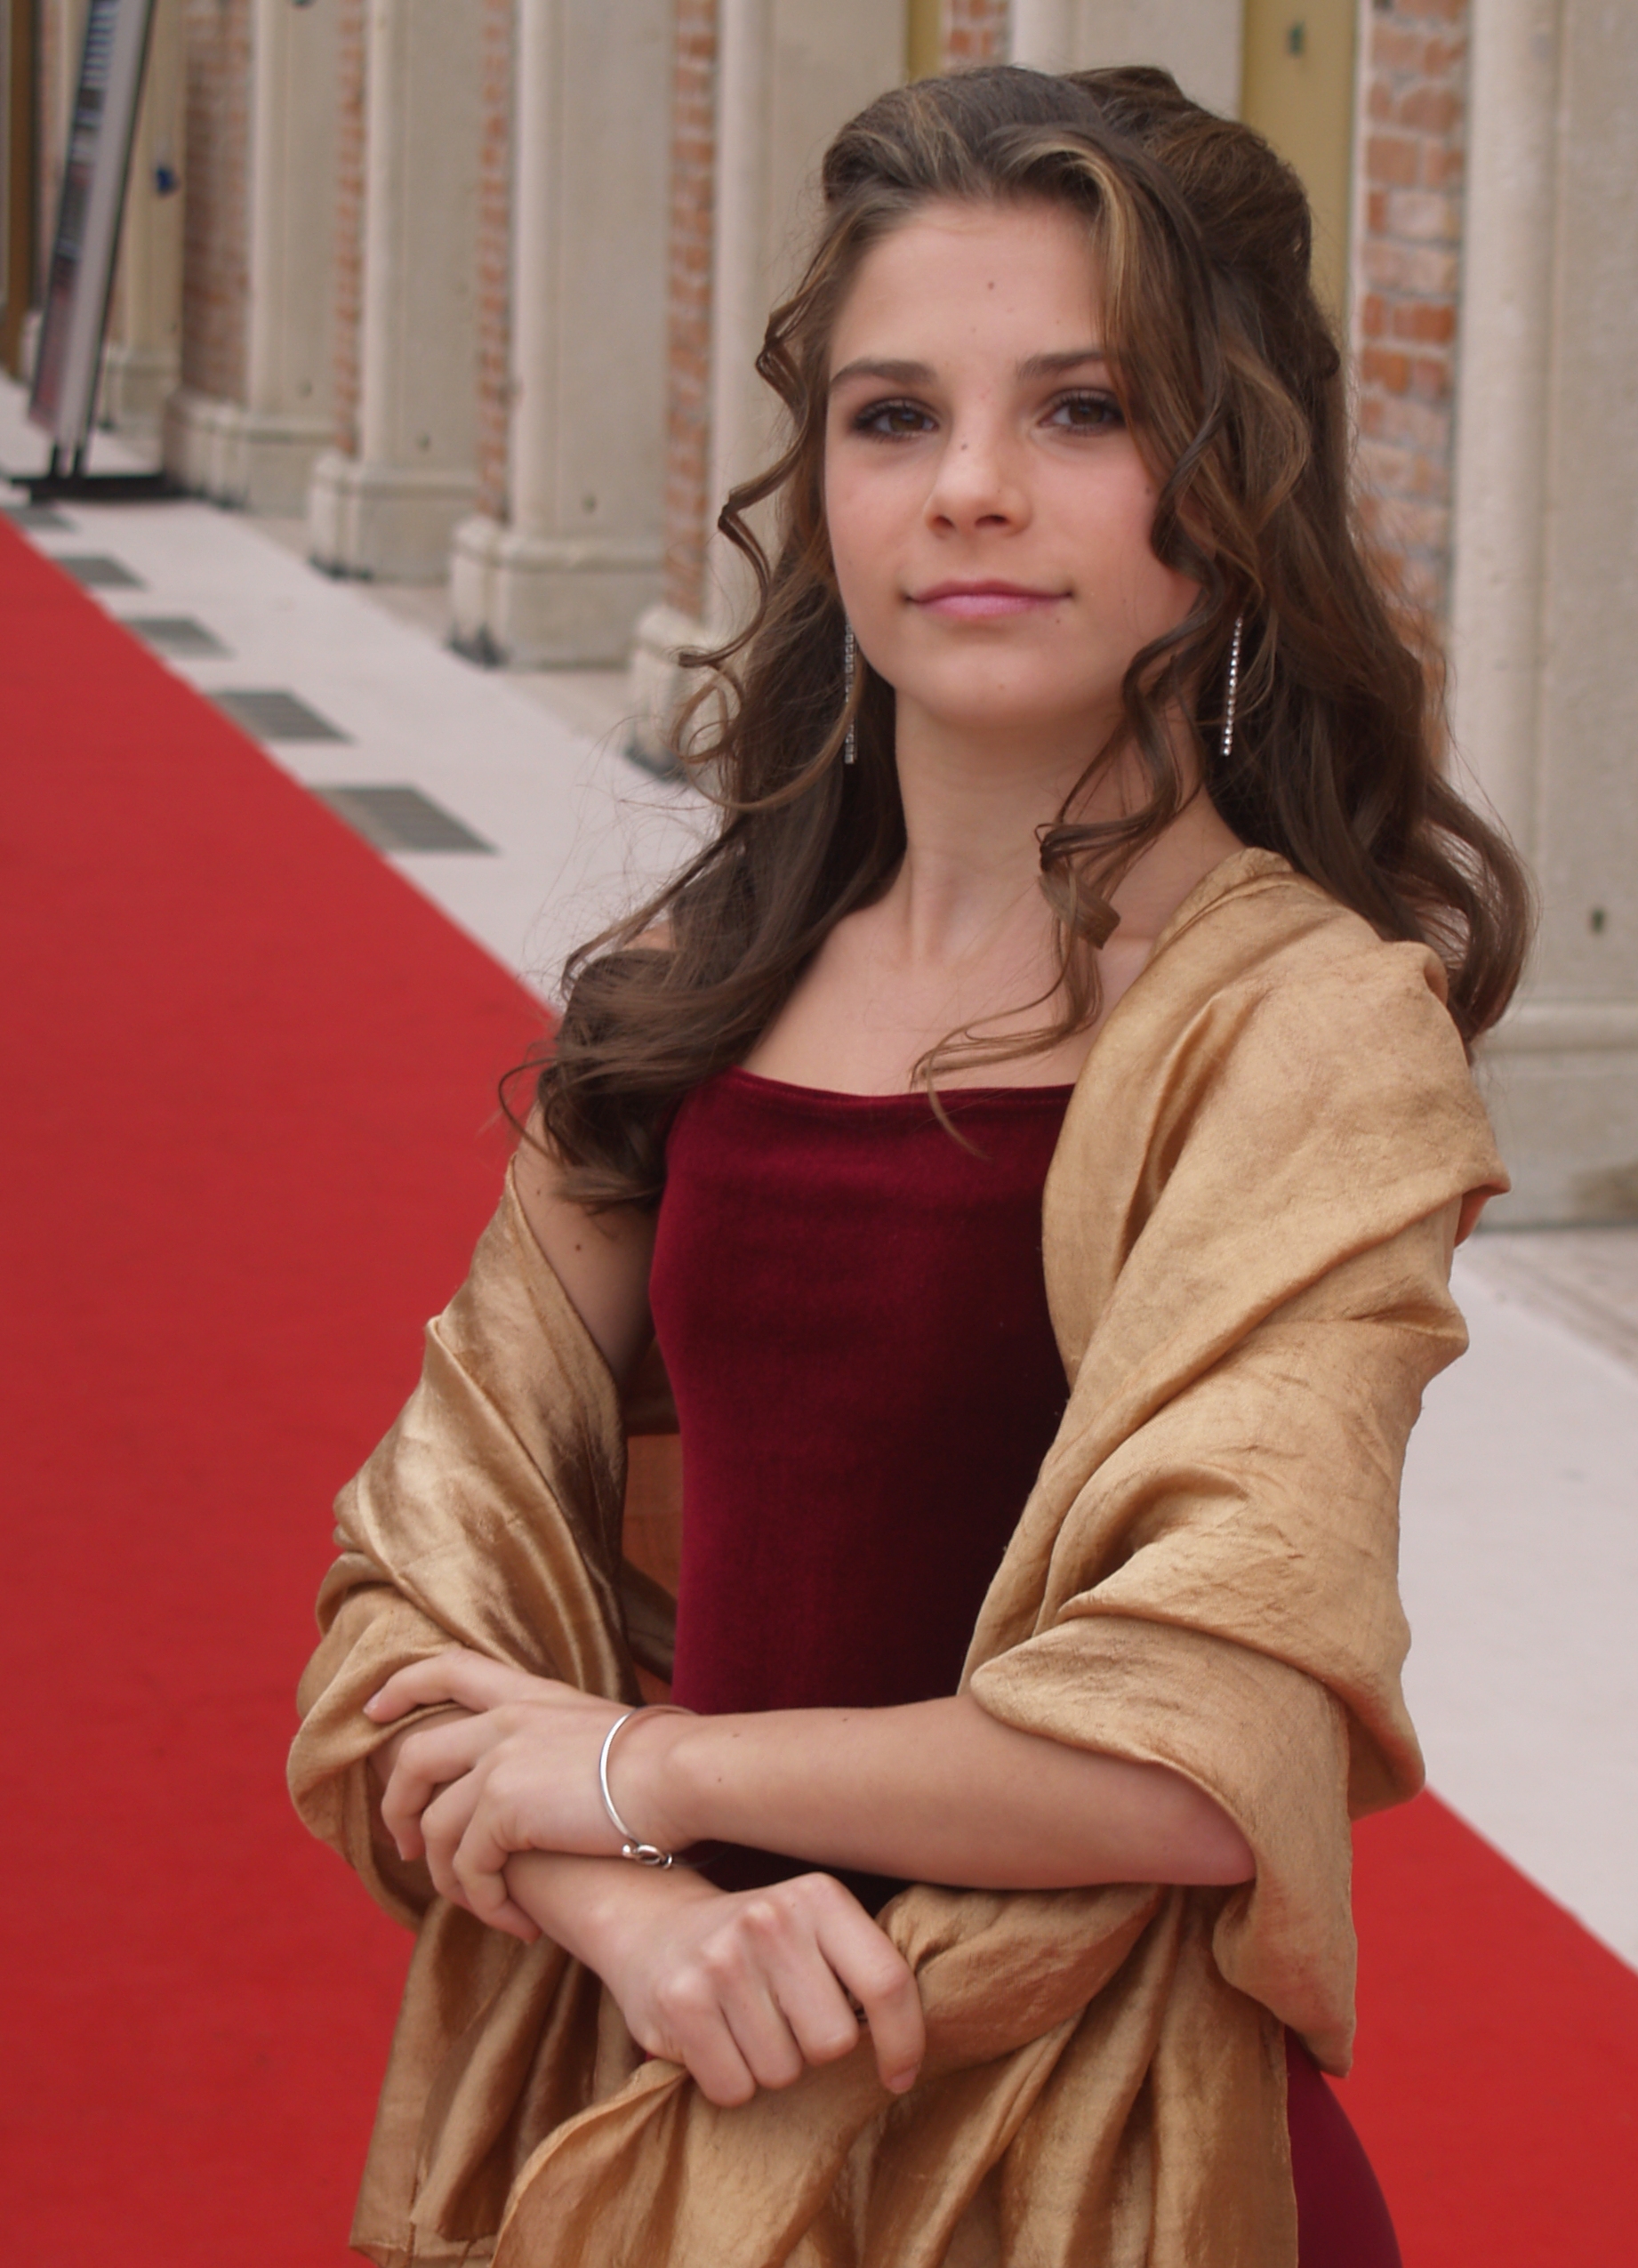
973, 817
962, 938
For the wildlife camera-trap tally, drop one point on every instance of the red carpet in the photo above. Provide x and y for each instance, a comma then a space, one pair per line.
1497, 2080
247, 1088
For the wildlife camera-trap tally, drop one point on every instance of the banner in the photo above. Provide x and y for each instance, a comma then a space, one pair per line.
81, 275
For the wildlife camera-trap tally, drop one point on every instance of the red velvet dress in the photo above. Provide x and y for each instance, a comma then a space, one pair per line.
854, 1316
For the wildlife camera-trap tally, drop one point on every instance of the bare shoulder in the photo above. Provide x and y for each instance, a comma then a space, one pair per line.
601, 1260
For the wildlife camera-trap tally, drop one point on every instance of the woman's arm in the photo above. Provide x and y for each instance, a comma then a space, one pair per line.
744, 1989
936, 1791
601, 1260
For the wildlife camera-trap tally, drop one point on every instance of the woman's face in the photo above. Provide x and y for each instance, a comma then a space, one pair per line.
988, 511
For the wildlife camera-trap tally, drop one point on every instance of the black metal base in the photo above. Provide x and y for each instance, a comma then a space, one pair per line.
98, 487
66, 481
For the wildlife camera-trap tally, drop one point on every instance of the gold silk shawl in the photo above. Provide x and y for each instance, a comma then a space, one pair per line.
1247, 1230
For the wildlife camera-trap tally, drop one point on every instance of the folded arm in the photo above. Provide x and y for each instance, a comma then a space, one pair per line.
936, 1791
748, 1989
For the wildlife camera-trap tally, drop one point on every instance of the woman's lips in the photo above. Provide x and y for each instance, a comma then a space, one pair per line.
984, 601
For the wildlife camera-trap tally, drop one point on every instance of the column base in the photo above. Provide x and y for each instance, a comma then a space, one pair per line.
658, 685
255, 459
391, 523
545, 602
135, 385
1561, 1078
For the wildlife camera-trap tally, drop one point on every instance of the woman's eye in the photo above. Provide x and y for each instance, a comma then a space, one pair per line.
893, 420
1086, 413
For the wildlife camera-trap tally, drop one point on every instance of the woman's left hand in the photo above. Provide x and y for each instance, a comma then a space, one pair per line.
519, 1774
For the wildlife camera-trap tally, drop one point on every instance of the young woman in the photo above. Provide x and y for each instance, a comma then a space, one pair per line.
1036, 1129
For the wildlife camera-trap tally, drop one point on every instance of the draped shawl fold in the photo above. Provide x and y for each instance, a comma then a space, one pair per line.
1248, 1227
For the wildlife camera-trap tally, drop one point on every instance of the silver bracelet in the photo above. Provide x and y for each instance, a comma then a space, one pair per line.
631, 1847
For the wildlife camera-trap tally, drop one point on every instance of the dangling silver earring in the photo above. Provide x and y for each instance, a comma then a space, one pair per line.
1233, 690
850, 750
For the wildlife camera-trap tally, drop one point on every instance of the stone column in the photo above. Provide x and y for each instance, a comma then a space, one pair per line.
390, 510
742, 420
788, 75
293, 168
1547, 575
142, 358
561, 579
1043, 34
1198, 41
1505, 395
258, 451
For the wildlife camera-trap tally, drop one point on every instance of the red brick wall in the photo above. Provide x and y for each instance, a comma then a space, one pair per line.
216, 178
974, 32
494, 254
347, 258
689, 296
1407, 288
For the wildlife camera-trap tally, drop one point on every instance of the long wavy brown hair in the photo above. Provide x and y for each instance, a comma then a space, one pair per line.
1228, 372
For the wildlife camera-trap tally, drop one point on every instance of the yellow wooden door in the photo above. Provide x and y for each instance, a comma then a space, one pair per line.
1298, 89
924, 39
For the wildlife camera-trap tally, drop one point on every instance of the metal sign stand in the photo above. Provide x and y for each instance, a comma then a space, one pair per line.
80, 276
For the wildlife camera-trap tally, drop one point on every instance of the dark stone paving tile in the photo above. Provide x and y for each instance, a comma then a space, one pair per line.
96, 571
179, 635
401, 818
274, 715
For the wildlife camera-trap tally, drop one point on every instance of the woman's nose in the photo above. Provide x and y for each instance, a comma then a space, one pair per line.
979, 481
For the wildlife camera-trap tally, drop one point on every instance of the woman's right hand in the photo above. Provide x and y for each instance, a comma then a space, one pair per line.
744, 1989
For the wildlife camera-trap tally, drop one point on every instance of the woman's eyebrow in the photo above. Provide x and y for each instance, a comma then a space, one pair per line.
894, 374
922, 374
1054, 365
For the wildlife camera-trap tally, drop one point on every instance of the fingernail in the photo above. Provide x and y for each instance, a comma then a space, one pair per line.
901, 2082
